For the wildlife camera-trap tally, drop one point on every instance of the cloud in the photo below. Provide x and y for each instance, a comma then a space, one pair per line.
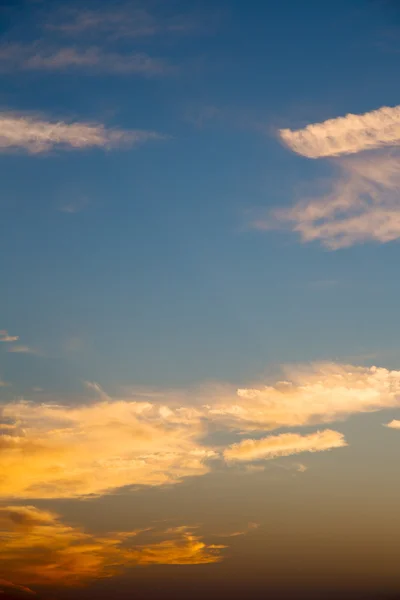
92, 60
346, 135
4, 336
394, 424
284, 444
123, 21
362, 205
7, 586
37, 548
362, 202
93, 448
315, 394
21, 350
36, 136
51, 451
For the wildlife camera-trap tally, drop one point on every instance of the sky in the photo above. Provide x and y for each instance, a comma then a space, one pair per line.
199, 357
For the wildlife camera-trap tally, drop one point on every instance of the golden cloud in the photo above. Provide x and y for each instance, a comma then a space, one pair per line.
54, 451
320, 393
38, 549
50, 451
284, 445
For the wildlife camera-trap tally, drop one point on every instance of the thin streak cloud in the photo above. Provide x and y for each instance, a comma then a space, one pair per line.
123, 21
92, 60
36, 136
285, 444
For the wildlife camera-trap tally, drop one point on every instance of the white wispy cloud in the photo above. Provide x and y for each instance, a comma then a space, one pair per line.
346, 135
284, 444
35, 135
122, 21
92, 60
362, 205
363, 199
4, 335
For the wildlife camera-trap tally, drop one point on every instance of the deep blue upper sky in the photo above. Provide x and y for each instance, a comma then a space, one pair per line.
138, 265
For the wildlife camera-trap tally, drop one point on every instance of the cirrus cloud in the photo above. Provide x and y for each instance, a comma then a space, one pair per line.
346, 135
93, 60
35, 135
363, 200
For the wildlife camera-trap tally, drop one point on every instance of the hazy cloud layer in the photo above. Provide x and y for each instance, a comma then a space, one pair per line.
346, 135
284, 444
35, 135
37, 548
37, 56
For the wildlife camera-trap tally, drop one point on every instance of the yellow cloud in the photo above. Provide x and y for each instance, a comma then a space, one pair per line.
320, 393
394, 424
50, 451
284, 445
38, 549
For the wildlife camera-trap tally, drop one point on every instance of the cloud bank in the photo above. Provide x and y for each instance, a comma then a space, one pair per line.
36, 136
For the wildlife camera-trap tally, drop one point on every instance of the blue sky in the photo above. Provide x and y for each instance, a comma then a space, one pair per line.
199, 256
155, 275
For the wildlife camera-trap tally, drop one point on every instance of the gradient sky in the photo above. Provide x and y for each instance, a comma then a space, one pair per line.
199, 356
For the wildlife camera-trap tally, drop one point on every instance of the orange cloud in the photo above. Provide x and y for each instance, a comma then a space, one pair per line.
284, 445
38, 549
